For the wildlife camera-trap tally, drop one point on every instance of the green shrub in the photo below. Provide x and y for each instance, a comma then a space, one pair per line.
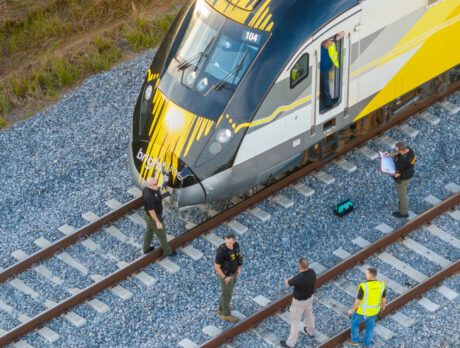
5, 106
65, 72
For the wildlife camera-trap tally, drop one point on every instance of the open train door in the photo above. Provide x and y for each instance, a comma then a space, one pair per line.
336, 48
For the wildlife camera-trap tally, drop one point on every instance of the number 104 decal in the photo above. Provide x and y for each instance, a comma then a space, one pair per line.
251, 36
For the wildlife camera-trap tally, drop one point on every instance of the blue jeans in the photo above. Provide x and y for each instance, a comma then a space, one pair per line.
357, 319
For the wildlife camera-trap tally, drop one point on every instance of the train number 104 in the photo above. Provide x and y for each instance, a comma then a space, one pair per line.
251, 36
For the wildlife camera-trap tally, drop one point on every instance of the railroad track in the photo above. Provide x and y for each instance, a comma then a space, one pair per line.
332, 276
81, 295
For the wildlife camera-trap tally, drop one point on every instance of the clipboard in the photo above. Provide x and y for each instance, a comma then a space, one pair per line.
386, 164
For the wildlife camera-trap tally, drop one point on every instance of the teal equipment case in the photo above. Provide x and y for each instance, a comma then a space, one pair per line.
343, 208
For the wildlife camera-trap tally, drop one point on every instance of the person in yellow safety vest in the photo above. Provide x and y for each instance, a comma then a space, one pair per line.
371, 298
329, 57
332, 50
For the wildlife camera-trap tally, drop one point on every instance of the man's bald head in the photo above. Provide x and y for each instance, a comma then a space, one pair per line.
151, 183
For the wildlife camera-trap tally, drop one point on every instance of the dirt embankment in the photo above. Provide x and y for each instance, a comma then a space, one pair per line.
48, 46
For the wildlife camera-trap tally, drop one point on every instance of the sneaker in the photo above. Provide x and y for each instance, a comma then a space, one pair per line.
219, 311
284, 344
174, 253
399, 215
230, 318
305, 330
349, 341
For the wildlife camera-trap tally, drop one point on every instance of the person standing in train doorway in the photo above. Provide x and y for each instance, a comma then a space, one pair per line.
371, 298
302, 302
153, 216
404, 159
329, 57
228, 267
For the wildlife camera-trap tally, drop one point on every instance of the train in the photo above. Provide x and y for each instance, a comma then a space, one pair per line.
240, 91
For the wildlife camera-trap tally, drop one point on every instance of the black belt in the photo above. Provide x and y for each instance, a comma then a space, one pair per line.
304, 299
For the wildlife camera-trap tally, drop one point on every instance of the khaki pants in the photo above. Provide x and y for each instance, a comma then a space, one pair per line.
151, 227
226, 297
401, 188
297, 308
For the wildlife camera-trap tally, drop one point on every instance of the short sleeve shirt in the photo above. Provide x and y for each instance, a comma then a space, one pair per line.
304, 284
152, 201
229, 259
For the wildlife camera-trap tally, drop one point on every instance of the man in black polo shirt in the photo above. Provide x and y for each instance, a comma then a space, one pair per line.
302, 302
153, 218
404, 159
228, 267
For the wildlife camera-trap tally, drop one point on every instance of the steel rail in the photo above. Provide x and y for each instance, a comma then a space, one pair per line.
68, 240
400, 301
114, 215
336, 270
190, 235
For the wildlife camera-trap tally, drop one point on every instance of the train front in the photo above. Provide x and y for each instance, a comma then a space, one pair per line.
180, 133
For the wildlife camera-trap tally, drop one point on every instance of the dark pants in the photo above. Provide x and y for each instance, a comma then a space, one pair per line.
226, 297
325, 93
160, 233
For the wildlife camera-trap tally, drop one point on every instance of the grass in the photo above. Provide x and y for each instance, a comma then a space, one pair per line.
47, 46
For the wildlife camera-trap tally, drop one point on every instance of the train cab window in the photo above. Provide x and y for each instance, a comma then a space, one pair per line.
331, 68
299, 71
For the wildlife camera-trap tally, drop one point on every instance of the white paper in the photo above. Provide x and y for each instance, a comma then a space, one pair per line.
387, 164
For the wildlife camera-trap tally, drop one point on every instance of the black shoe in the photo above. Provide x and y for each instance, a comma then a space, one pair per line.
174, 253
305, 330
146, 252
399, 215
284, 344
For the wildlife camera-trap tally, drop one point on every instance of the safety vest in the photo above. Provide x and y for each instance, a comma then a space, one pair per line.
333, 54
370, 304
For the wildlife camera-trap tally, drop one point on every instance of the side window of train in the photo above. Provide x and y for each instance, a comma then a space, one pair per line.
331, 70
299, 71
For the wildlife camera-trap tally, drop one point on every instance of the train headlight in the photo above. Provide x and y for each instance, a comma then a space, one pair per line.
148, 92
223, 135
190, 78
201, 86
215, 148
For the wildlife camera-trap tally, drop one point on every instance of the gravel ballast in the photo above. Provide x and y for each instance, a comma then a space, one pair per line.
72, 157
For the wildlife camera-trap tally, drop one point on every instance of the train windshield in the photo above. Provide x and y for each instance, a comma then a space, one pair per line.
215, 51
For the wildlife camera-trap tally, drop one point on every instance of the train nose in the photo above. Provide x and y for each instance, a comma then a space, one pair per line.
171, 171
187, 189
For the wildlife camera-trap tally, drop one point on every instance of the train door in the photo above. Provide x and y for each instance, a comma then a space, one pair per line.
333, 46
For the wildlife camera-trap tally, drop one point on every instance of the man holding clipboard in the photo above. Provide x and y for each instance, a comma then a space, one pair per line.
402, 171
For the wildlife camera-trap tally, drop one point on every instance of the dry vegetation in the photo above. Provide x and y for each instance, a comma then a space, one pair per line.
47, 46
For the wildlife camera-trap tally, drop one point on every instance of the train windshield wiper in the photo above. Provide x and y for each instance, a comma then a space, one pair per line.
187, 63
236, 69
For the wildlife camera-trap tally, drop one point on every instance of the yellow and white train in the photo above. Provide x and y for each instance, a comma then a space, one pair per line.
241, 90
